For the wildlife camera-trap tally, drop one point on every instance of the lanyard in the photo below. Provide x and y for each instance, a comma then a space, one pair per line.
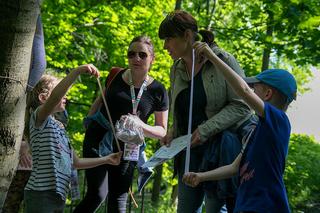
135, 101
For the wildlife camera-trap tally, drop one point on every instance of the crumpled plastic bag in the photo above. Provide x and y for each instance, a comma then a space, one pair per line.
129, 130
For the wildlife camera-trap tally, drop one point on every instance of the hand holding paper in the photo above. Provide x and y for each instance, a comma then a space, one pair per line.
165, 153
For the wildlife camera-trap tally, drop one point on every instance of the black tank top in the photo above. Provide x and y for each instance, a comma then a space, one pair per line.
199, 105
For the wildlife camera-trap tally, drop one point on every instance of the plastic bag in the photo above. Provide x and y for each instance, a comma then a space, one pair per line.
129, 130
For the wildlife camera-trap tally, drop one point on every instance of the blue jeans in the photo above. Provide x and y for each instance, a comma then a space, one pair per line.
190, 199
43, 202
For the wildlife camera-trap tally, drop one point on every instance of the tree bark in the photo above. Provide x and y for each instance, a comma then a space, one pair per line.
267, 49
157, 184
178, 5
17, 27
210, 21
174, 194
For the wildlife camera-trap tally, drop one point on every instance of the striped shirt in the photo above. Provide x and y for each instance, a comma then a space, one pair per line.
52, 159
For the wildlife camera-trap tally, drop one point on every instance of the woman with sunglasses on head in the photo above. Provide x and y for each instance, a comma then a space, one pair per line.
215, 106
150, 97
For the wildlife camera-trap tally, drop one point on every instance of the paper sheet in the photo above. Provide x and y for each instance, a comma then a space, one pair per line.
165, 153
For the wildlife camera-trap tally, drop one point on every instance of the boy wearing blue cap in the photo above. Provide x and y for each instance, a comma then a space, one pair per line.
261, 162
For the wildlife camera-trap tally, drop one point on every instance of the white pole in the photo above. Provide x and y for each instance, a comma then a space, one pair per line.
187, 161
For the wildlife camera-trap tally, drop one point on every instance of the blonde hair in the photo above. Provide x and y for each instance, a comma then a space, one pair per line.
45, 85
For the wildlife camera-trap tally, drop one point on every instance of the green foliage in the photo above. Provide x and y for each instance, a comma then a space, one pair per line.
302, 173
97, 32
79, 32
240, 27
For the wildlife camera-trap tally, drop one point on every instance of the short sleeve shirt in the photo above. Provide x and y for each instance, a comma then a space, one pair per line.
51, 157
261, 186
118, 96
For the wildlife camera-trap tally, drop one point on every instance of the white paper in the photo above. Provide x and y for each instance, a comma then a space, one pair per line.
153, 162
165, 153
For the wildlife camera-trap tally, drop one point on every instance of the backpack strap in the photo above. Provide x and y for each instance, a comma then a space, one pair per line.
112, 75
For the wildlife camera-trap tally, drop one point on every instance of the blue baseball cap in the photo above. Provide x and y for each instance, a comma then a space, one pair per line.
280, 79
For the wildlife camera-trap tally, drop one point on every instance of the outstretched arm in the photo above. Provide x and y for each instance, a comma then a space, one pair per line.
60, 91
239, 86
193, 179
86, 163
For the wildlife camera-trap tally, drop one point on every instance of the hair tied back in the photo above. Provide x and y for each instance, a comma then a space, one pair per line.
198, 37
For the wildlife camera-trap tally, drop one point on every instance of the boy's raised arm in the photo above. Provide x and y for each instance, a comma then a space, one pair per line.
240, 87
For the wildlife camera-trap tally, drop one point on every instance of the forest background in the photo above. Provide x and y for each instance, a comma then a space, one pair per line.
259, 33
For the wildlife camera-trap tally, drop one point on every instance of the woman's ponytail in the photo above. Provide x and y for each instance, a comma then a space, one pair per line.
208, 37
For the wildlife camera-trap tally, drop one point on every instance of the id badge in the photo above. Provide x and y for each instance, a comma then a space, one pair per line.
131, 152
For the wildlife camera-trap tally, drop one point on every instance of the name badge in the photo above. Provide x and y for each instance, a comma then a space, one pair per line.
131, 152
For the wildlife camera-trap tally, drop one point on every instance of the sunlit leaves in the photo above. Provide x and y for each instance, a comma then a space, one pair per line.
312, 22
302, 172
240, 27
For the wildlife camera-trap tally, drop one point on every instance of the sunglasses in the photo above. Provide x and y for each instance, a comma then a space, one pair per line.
142, 55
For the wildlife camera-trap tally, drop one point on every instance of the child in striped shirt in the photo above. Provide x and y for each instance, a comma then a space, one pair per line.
53, 157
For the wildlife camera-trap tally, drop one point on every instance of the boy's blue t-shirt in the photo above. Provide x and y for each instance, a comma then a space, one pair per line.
261, 186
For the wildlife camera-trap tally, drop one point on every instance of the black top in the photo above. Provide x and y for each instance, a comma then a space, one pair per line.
118, 97
199, 104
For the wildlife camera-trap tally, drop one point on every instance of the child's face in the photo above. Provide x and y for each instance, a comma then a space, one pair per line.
262, 91
62, 104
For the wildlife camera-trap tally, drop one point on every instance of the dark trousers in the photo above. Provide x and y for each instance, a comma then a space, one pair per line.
43, 202
111, 182
104, 181
190, 199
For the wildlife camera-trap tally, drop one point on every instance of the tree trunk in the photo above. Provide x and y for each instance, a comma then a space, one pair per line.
207, 7
157, 184
174, 194
178, 5
17, 26
267, 49
210, 20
